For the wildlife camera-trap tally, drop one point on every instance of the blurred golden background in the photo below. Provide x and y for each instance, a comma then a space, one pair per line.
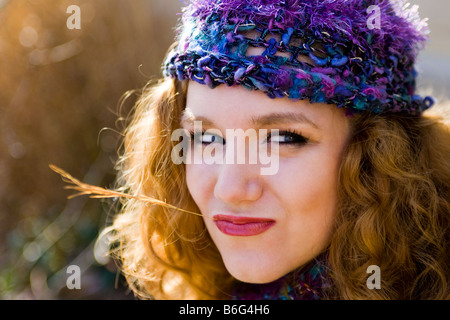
60, 93
60, 103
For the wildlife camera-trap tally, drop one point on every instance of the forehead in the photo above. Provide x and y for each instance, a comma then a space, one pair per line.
237, 105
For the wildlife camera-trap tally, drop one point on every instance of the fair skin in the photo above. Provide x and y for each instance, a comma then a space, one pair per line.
294, 209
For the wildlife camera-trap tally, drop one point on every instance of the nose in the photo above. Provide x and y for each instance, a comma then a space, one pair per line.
238, 183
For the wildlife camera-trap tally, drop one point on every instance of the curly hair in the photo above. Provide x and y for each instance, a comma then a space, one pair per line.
394, 206
394, 209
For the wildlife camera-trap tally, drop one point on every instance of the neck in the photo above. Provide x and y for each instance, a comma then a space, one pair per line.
304, 283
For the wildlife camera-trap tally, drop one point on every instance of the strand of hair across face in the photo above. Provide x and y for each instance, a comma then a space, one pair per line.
98, 192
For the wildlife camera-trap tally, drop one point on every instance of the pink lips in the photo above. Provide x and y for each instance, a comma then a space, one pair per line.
242, 226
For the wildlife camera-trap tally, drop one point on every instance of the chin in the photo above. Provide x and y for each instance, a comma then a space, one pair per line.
252, 275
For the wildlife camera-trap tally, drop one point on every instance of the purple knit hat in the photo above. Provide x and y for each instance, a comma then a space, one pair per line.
356, 54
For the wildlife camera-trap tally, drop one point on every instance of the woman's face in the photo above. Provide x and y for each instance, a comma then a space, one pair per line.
266, 225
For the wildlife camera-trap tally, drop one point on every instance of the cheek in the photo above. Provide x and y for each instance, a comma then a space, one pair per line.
199, 179
308, 182
310, 197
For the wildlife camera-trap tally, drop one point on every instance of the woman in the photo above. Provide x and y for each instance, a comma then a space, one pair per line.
362, 178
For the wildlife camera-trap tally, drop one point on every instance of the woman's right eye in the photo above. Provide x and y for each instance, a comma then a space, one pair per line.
206, 138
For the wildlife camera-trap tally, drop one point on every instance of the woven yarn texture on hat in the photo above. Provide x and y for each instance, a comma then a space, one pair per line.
324, 51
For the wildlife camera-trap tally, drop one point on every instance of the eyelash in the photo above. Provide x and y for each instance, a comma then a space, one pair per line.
299, 139
296, 136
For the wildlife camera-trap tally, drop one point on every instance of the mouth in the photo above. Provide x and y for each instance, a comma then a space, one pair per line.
242, 226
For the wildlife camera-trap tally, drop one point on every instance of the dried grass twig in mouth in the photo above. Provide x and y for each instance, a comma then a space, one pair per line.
98, 192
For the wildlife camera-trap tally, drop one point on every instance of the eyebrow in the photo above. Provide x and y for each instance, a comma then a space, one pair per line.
275, 118
282, 118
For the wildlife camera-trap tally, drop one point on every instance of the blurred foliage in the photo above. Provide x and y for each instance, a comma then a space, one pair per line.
59, 90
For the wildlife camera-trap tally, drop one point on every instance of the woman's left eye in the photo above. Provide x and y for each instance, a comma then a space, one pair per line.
287, 137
